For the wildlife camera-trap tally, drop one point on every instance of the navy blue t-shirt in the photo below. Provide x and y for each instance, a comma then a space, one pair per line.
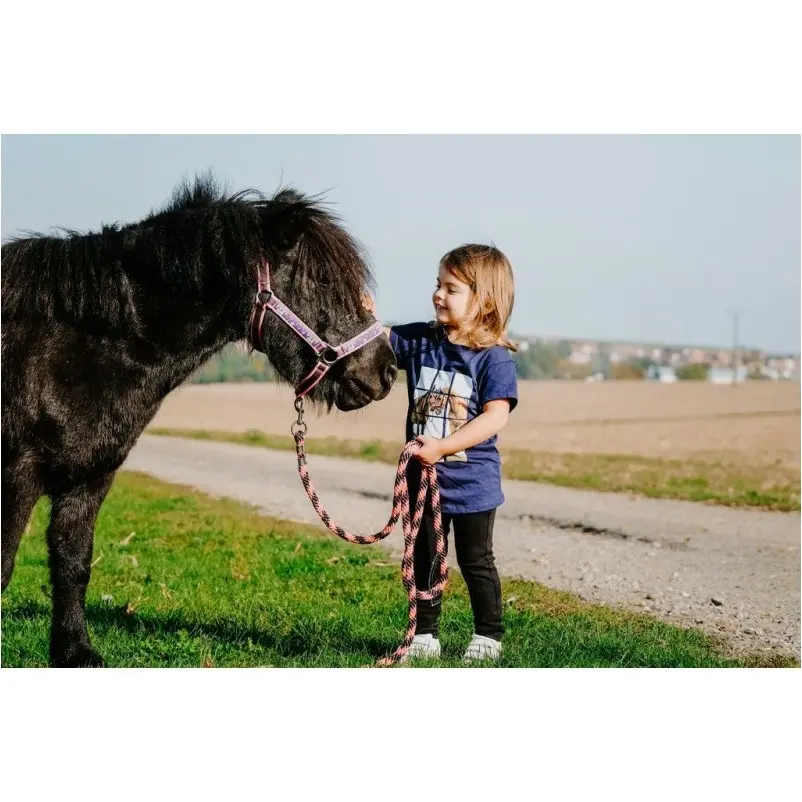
448, 385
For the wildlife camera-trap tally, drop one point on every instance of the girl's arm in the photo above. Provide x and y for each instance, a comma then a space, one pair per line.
492, 420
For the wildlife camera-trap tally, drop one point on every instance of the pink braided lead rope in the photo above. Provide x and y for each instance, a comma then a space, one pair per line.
410, 525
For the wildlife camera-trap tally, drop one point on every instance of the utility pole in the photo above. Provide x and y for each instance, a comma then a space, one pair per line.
734, 313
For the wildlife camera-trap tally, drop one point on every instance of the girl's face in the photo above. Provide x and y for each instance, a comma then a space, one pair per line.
452, 300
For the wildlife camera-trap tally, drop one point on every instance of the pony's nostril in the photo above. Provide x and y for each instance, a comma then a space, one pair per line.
390, 373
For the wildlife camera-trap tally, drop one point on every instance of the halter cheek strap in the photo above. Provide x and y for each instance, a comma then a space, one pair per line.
327, 355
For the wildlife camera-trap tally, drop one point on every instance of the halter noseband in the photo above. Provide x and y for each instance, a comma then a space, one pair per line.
327, 355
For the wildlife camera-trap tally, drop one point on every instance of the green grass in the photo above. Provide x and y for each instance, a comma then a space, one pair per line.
723, 481
181, 579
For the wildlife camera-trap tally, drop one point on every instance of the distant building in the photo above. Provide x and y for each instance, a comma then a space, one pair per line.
661, 373
783, 367
582, 353
724, 375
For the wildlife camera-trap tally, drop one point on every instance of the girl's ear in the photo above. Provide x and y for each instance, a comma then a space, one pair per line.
479, 309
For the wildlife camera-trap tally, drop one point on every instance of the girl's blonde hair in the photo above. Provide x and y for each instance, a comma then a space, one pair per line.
488, 273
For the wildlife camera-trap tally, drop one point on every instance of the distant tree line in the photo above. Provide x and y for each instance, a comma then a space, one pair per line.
233, 364
695, 372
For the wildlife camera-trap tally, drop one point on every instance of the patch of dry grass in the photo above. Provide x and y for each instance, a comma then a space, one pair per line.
760, 420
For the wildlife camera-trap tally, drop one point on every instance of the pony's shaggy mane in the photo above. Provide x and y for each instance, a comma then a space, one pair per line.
202, 236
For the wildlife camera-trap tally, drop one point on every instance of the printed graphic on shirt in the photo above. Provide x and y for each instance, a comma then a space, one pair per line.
441, 405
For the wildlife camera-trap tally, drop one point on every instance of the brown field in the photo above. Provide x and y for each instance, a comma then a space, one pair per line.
755, 424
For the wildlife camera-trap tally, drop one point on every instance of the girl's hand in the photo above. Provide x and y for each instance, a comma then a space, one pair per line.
432, 450
369, 303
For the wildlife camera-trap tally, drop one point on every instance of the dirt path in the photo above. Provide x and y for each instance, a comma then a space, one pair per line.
735, 573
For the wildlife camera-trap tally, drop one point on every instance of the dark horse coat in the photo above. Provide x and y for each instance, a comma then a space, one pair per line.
98, 328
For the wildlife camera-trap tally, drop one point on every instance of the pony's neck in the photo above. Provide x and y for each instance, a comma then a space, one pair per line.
185, 326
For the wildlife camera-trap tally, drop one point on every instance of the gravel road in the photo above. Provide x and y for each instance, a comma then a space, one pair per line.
734, 573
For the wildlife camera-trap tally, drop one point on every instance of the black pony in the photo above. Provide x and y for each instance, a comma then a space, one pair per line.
99, 328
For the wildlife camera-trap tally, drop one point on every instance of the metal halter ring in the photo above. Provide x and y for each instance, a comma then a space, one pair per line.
328, 357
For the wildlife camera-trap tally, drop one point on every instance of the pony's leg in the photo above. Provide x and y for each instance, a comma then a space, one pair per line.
20, 492
70, 536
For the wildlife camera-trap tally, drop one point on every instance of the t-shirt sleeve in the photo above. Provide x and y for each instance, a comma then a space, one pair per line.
404, 340
498, 380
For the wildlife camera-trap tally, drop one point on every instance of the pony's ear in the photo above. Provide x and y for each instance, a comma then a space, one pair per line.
286, 226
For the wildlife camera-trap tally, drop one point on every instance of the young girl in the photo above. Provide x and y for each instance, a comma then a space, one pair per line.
462, 386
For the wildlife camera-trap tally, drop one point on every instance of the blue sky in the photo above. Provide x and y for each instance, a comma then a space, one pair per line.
616, 237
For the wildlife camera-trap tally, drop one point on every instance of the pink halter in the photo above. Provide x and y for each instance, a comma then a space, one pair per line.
327, 355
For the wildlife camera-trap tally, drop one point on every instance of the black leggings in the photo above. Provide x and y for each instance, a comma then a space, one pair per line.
473, 539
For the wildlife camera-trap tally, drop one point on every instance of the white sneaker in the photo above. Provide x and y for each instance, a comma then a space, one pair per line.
482, 648
426, 646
